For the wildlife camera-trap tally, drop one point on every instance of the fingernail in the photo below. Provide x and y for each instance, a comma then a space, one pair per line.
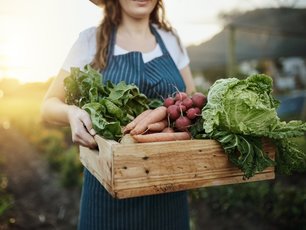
92, 132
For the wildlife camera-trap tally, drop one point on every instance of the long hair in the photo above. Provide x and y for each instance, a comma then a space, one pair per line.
112, 19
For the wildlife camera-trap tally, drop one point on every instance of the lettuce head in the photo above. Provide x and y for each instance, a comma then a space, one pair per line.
239, 113
247, 107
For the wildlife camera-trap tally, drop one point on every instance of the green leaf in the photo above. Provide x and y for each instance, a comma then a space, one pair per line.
155, 103
244, 151
240, 112
289, 158
110, 106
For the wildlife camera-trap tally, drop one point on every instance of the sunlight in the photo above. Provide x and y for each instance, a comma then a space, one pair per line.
194, 33
19, 59
6, 124
13, 54
36, 36
12, 59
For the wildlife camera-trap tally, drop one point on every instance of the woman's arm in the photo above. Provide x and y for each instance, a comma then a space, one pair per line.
187, 77
55, 111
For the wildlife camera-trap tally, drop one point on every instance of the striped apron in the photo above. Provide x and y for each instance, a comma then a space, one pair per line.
99, 211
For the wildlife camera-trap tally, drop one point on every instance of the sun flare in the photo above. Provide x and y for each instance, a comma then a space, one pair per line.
36, 36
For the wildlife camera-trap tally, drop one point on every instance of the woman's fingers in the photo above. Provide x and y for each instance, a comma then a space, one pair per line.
138, 119
87, 123
156, 115
81, 136
81, 128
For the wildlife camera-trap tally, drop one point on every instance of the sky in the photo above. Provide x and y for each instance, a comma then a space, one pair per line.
36, 35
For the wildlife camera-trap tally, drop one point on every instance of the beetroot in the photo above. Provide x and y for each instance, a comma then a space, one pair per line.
173, 112
182, 107
169, 101
199, 100
180, 96
182, 123
183, 110
187, 102
178, 102
192, 113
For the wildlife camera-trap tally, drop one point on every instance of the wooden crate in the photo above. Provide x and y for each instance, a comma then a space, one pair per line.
131, 170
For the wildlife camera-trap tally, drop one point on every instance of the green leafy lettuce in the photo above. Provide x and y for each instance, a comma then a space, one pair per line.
110, 106
239, 113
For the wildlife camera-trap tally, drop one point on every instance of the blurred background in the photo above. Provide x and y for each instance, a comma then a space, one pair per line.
40, 172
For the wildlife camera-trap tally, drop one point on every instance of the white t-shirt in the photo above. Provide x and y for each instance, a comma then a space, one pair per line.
84, 50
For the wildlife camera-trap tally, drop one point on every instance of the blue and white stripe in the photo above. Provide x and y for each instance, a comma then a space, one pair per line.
157, 78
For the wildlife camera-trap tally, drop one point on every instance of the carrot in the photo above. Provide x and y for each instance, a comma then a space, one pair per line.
168, 130
137, 119
159, 137
158, 126
127, 139
158, 114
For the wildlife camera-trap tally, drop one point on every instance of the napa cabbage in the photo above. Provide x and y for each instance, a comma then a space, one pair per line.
239, 113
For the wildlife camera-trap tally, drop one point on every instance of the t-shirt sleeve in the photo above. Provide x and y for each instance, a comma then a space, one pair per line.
183, 58
176, 49
80, 53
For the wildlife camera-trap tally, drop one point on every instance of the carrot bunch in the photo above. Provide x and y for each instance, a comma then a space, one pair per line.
169, 122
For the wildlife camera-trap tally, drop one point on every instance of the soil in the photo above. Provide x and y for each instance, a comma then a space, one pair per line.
40, 202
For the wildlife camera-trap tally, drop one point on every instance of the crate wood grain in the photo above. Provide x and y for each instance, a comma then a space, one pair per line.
132, 170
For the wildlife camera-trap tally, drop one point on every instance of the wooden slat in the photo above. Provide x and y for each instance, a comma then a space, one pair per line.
184, 178
129, 170
172, 187
178, 162
100, 162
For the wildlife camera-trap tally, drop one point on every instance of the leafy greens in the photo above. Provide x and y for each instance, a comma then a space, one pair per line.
110, 106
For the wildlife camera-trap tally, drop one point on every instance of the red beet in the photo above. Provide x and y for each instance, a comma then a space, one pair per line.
173, 112
169, 101
192, 113
180, 96
199, 100
187, 102
178, 102
182, 107
182, 123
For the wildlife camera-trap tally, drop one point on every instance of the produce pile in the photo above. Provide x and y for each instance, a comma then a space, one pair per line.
170, 121
236, 113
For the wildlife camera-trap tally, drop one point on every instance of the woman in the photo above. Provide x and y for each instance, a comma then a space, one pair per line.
134, 43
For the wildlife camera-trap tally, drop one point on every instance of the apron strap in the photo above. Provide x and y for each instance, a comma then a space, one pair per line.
159, 40
111, 45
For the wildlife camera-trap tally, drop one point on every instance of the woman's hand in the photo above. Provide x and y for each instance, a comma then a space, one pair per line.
55, 111
81, 127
